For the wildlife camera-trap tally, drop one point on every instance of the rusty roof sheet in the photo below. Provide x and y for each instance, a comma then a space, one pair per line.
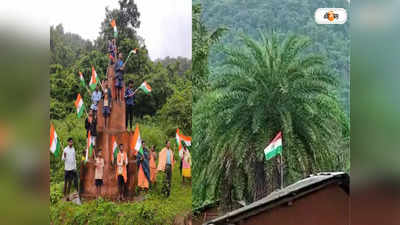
319, 179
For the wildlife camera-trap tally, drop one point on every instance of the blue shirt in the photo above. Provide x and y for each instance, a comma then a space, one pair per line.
118, 72
96, 97
168, 157
129, 100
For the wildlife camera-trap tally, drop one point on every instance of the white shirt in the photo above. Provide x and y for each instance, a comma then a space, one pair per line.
70, 162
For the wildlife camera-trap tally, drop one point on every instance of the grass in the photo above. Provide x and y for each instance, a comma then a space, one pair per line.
154, 210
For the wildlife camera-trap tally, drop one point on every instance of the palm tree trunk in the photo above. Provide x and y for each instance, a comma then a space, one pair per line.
260, 184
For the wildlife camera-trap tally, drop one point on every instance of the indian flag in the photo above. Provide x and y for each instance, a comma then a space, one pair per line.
182, 138
80, 107
114, 147
82, 80
94, 79
131, 52
114, 26
145, 87
89, 147
274, 148
55, 146
136, 142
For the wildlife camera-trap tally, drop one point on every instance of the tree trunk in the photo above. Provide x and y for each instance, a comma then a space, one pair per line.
260, 184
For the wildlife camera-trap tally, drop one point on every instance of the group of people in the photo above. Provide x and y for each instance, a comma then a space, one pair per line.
146, 165
105, 93
146, 160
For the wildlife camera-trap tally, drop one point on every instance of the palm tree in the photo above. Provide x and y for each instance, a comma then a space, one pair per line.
269, 85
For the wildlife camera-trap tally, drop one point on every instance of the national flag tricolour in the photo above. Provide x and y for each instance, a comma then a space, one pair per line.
89, 147
93, 79
275, 147
182, 138
114, 26
82, 80
145, 87
115, 148
136, 142
79, 105
55, 146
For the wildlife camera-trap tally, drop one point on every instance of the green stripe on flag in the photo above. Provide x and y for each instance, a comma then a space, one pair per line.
58, 148
83, 83
81, 110
271, 154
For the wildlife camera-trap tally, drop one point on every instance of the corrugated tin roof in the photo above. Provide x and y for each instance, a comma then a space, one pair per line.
291, 190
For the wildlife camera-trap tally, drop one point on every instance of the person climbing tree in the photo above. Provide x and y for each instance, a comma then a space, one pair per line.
107, 102
129, 103
119, 76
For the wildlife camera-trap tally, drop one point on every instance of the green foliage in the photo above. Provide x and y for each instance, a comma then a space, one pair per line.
332, 42
154, 210
70, 126
65, 48
202, 41
159, 113
178, 108
127, 20
265, 86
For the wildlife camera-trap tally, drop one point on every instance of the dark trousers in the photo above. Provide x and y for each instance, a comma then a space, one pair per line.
69, 176
167, 180
128, 116
121, 185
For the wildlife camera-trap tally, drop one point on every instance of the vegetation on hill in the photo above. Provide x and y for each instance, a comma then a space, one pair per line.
259, 82
167, 107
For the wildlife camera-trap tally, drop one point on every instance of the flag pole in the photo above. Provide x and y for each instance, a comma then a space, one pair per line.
281, 168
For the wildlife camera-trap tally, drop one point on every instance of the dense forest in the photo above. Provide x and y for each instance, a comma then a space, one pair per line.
291, 16
167, 107
260, 67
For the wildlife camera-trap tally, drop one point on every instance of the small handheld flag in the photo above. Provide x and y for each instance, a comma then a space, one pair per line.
134, 51
136, 141
79, 105
145, 87
89, 147
114, 147
94, 79
274, 148
182, 138
55, 146
114, 26
81, 79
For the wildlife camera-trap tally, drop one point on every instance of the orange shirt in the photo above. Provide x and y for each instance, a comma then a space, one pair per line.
122, 161
162, 159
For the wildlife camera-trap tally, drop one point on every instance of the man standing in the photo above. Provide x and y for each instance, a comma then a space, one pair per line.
122, 162
166, 163
119, 76
68, 157
107, 103
96, 97
91, 125
129, 102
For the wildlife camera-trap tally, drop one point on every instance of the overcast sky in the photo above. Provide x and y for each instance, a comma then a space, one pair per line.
166, 25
